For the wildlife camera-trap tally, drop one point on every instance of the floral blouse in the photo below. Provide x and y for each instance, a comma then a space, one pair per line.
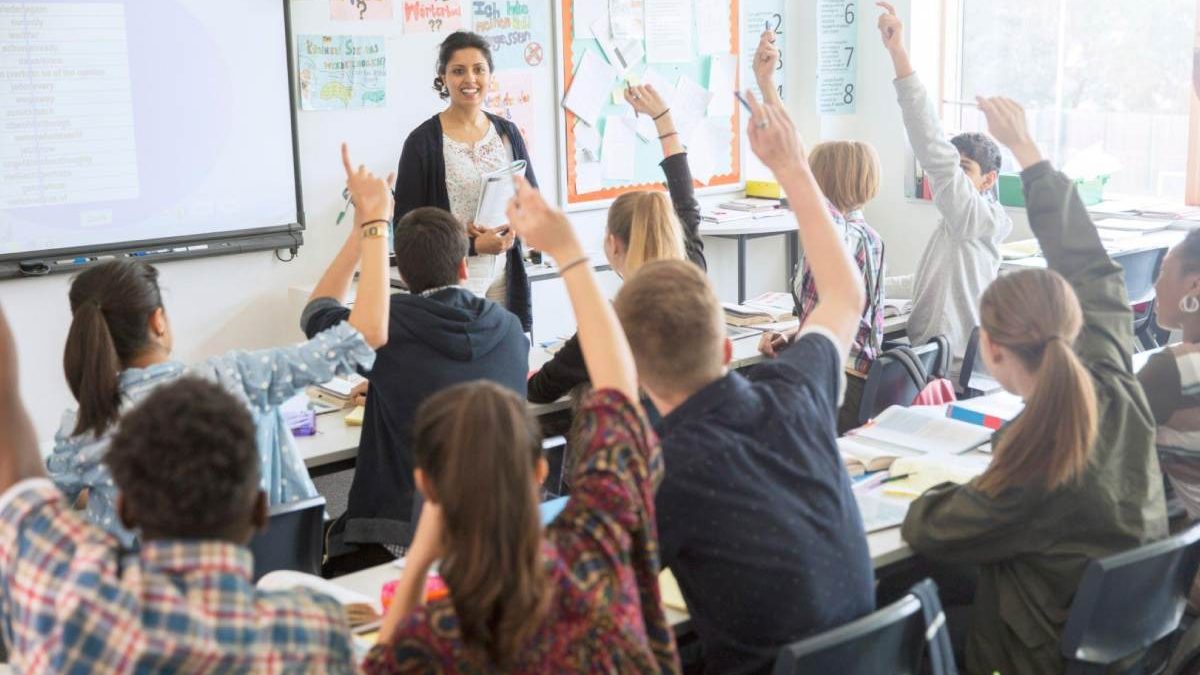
465, 166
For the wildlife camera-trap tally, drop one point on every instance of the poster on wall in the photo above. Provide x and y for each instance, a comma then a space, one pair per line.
837, 57
518, 31
761, 15
433, 16
340, 72
360, 10
511, 97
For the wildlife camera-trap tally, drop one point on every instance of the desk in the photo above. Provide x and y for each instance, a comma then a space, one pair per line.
755, 228
1147, 242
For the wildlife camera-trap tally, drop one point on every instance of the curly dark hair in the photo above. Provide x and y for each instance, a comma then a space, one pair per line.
1189, 252
459, 39
979, 148
186, 461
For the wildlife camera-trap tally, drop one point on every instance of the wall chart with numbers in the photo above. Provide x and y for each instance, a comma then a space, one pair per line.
837, 56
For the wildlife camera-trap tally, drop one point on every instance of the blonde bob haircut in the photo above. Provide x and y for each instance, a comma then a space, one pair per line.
847, 171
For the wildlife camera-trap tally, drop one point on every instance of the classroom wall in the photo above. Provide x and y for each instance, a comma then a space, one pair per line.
218, 304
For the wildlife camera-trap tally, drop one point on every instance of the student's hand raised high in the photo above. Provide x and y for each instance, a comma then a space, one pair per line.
371, 195
645, 99
766, 61
545, 228
1007, 124
891, 28
773, 137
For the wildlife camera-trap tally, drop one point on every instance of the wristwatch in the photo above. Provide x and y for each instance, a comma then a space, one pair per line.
372, 232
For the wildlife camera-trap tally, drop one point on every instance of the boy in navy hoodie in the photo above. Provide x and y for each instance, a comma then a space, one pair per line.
440, 334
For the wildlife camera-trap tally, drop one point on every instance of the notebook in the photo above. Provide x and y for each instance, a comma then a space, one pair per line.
496, 188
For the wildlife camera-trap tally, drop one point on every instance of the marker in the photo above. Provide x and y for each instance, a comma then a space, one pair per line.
81, 260
345, 207
746, 103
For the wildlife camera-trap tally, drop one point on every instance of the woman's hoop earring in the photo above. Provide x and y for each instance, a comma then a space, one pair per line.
1189, 304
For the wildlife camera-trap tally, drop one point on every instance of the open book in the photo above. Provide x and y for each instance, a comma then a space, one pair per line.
923, 429
921, 473
495, 190
862, 455
770, 307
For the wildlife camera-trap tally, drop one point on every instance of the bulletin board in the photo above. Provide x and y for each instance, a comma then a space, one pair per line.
580, 188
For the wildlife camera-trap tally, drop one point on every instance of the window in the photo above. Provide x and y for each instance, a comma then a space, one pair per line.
1104, 82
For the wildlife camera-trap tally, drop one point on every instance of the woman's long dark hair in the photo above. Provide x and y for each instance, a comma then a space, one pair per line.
480, 448
111, 306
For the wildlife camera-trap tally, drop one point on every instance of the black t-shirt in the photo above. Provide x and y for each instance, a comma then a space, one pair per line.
756, 515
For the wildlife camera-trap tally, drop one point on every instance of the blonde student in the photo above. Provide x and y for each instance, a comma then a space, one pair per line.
642, 227
1074, 477
581, 595
119, 348
963, 255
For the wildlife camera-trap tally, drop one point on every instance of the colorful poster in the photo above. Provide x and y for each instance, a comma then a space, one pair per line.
432, 16
360, 10
837, 62
519, 32
511, 97
338, 72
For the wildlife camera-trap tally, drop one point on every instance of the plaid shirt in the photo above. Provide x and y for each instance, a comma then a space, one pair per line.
867, 247
69, 603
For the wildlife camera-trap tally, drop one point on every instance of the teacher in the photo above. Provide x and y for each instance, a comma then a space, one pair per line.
445, 157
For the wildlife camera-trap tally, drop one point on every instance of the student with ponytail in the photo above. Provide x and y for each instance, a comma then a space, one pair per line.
119, 350
642, 227
1074, 477
581, 595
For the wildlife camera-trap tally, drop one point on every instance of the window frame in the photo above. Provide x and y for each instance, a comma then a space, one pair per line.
949, 55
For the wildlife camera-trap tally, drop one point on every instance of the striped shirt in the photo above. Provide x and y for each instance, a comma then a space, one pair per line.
1171, 380
71, 603
866, 246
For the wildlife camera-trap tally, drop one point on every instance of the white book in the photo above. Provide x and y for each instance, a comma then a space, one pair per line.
496, 189
925, 429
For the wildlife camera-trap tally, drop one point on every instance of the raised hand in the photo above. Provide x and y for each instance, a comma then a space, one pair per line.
544, 227
1007, 124
371, 195
891, 29
766, 60
773, 137
645, 99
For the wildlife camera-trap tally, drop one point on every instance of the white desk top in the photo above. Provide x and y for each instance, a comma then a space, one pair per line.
772, 224
1146, 242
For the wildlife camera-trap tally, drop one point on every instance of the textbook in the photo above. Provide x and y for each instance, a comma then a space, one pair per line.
924, 429
751, 204
496, 188
992, 411
893, 307
724, 216
863, 455
770, 307
921, 473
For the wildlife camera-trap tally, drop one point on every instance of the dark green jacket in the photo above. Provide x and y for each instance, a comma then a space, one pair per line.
1031, 545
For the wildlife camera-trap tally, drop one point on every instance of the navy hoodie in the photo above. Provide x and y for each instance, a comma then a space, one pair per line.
434, 342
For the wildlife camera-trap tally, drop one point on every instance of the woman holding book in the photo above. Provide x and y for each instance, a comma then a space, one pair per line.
445, 158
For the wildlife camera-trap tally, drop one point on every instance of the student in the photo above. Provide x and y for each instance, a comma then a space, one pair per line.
641, 228
439, 335
848, 174
1171, 378
119, 350
1074, 477
186, 465
756, 516
444, 158
963, 255
582, 595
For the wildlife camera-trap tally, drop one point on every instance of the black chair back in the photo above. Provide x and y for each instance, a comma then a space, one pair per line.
1129, 601
899, 374
889, 640
293, 540
1141, 268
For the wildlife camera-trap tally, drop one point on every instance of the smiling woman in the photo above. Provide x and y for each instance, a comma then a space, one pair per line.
445, 157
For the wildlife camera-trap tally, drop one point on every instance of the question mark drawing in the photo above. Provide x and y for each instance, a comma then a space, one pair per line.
362, 9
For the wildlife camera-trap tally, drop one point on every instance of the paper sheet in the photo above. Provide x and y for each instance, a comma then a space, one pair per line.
642, 125
432, 16
661, 84
587, 139
722, 78
495, 191
586, 13
619, 151
625, 17
689, 107
700, 155
760, 14
589, 176
669, 31
713, 29
360, 10
837, 56
590, 87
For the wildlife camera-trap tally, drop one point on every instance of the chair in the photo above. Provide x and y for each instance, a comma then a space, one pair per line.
554, 449
974, 379
1141, 269
898, 375
889, 640
1128, 602
293, 540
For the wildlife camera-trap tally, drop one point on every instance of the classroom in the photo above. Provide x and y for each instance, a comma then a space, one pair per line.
605, 336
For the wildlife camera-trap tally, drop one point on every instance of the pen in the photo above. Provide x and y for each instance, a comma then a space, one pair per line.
766, 25
345, 208
741, 98
893, 479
